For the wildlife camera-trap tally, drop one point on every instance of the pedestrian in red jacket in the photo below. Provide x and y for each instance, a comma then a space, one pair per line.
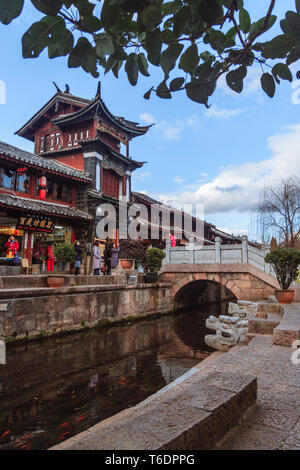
12, 247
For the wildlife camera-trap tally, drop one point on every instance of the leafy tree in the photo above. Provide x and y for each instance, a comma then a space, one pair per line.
279, 211
197, 40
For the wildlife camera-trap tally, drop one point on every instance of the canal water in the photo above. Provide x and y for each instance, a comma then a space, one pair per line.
58, 387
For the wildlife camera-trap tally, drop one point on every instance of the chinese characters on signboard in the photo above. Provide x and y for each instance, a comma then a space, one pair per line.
36, 223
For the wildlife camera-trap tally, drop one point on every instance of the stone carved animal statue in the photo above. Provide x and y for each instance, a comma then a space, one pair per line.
230, 330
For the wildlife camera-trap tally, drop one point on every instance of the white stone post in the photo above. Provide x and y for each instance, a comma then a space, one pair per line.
244, 249
191, 250
167, 259
218, 250
265, 250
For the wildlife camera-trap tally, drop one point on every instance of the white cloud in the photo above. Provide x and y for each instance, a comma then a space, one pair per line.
178, 180
214, 112
142, 176
170, 130
147, 118
238, 188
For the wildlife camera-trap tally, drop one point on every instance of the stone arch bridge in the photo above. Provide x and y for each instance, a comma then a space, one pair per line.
218, 272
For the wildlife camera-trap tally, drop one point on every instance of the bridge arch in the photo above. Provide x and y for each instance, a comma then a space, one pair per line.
213, 278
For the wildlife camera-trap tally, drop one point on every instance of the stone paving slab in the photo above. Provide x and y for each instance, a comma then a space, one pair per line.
275, 422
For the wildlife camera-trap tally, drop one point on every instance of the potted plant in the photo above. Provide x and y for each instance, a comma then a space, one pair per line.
65, 254
285, 262
154, 258
130, 251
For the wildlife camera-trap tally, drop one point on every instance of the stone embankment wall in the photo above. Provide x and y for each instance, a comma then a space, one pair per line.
28, 312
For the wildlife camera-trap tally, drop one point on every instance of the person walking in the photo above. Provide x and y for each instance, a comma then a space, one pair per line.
107, 256
173, 240
37, 252
96, 258
114, 256
50, 257
77, 257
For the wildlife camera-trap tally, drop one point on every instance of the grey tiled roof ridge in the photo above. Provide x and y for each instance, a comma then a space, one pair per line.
36, 160
40, 206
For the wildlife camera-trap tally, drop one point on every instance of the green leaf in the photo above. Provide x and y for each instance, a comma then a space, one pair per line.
80, 53
116, 68
61, 44
176, 84
293, 20
197, 92
298, 6
148, 93
169, 57
189, 59
104, 45
40, 35
111, 62
9, 10
109, 15
210, 10
143, 65
245, 21
153, 46
268, 84
163, 91
49, 7
217, 40
151, 17
282, 71
90, 24
131, 68
256, 27
235, 79
278, 47
294, 54
181, 19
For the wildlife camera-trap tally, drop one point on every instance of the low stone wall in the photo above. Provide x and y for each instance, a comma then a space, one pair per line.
40, 311
14, 282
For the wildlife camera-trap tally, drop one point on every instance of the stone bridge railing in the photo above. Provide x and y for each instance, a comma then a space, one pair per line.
218, 254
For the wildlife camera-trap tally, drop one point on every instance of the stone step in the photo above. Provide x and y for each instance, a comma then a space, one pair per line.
263, 325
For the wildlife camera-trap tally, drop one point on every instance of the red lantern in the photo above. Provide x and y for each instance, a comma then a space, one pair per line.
43, 182
42, 194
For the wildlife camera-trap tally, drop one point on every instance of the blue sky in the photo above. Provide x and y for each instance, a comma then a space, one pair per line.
221, 157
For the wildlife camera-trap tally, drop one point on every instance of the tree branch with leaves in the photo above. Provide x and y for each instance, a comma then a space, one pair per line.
199, 40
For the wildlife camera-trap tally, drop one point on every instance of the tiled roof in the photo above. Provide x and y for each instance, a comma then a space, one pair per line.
46, 208
64, 97
96, 104
40, 162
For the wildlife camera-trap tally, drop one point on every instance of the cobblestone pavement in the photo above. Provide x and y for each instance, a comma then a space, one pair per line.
275, 422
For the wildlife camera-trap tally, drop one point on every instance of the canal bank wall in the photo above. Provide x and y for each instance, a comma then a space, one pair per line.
30, 309
40, 311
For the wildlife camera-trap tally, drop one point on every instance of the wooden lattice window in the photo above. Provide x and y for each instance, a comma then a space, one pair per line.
111, 183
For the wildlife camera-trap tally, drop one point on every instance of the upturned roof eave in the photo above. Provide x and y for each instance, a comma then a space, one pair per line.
66, 97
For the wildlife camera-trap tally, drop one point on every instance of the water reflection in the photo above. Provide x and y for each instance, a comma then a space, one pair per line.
56, 388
